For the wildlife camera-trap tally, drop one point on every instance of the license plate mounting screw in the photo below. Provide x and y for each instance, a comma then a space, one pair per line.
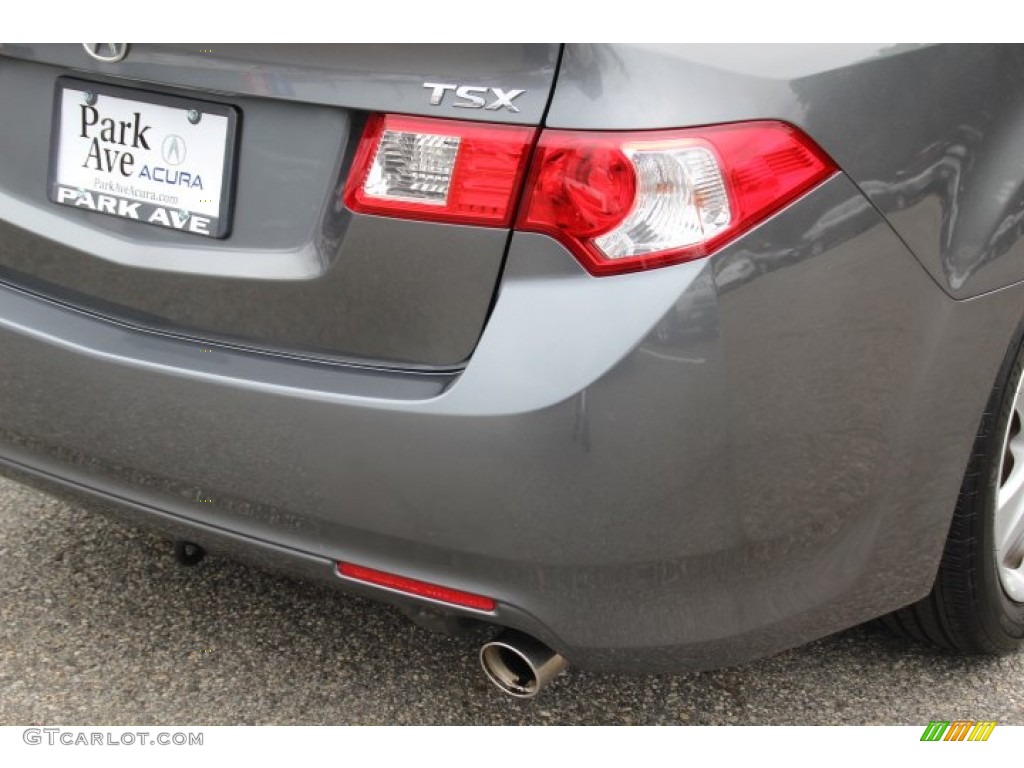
194, 116
89, 98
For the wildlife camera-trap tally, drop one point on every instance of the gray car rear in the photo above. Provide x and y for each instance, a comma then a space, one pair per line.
683, 467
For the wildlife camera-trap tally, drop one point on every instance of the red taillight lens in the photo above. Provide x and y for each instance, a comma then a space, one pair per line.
578, 187
415, 587
620, 202
628, 201
439, 170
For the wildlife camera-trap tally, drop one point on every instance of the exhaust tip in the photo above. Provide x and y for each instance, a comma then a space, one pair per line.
520, 665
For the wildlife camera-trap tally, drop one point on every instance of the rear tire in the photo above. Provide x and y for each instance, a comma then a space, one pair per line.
970, 609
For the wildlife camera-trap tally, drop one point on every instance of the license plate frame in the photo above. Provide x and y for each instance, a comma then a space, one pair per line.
144, 200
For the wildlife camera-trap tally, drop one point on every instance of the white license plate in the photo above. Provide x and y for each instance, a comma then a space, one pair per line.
142, 156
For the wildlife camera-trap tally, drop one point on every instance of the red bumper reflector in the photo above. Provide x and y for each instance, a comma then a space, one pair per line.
415, 587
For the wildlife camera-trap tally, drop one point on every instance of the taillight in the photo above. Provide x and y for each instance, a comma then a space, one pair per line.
628, 201
620, 202
439, 170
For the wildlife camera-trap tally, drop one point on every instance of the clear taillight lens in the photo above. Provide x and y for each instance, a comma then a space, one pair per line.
628, 201
412, 167
680, 200
439, 170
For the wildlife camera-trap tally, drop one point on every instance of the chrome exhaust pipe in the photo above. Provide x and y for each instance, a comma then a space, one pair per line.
520, 665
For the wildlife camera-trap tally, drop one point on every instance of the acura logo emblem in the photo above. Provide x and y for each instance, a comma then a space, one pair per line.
108, 52
173, 150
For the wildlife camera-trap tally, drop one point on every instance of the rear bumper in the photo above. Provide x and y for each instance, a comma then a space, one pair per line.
684, 468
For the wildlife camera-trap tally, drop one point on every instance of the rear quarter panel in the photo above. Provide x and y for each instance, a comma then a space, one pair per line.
933, 135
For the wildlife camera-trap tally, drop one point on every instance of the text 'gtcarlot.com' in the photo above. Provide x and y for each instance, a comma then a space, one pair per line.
73, 738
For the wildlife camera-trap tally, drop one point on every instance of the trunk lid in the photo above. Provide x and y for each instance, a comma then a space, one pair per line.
298, 273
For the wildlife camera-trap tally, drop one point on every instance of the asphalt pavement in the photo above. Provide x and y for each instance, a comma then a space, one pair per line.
100, 625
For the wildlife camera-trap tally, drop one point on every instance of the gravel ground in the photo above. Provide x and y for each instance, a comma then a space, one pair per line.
99, 625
